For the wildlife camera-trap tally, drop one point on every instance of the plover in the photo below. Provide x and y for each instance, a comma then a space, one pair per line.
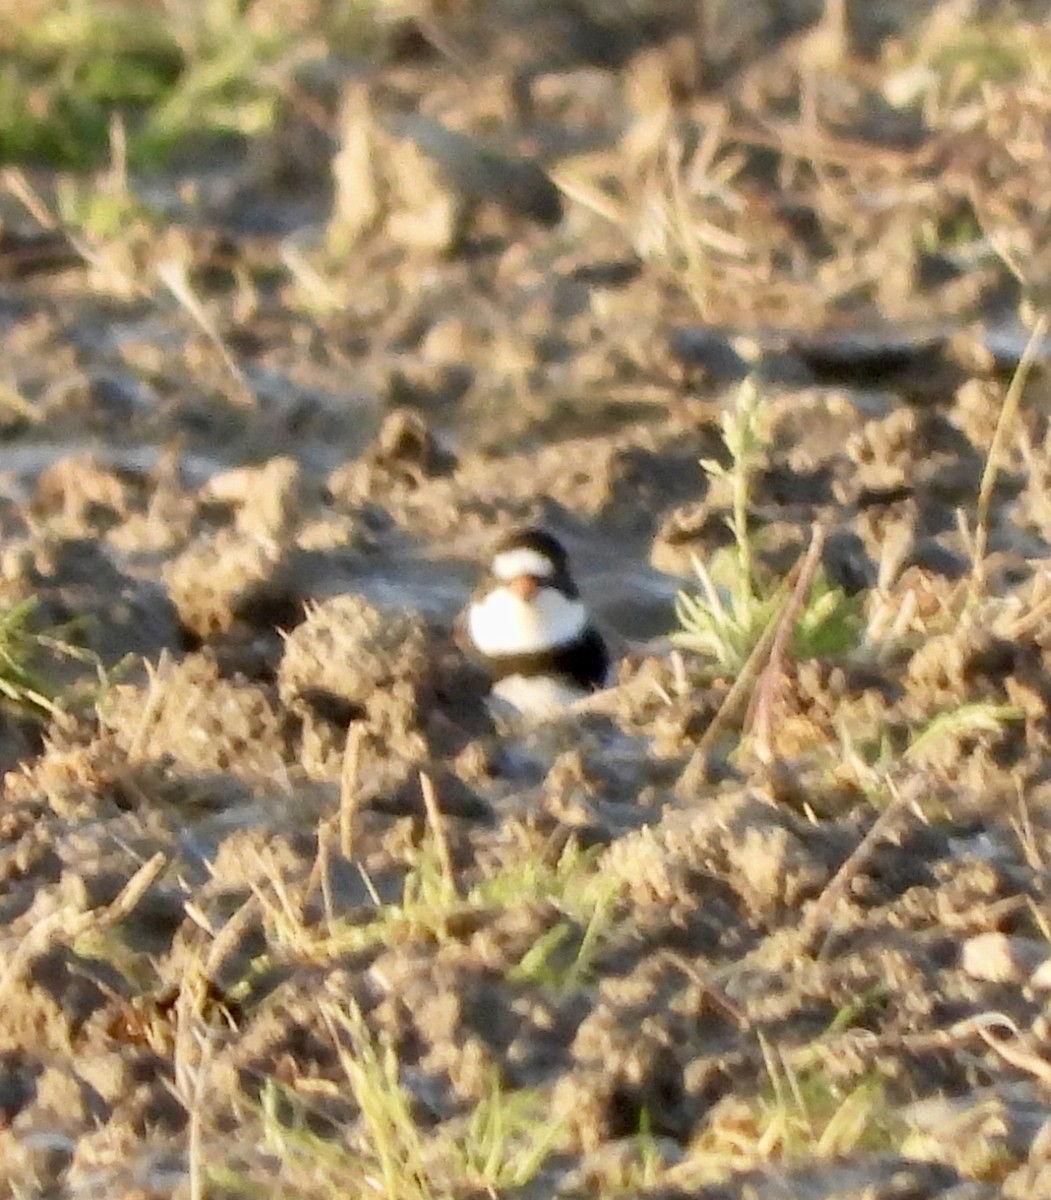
532, 631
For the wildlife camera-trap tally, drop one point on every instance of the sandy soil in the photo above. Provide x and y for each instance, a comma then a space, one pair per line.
268, 546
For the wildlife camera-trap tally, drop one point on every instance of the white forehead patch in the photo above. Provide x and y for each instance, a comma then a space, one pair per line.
511, 564
503, 623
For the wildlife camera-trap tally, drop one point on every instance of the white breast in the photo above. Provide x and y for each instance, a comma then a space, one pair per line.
536, 695
503, 623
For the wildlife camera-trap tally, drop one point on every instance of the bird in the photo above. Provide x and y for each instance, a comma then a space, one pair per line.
530, 629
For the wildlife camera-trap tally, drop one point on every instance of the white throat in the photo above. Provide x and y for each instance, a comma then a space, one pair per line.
503, 623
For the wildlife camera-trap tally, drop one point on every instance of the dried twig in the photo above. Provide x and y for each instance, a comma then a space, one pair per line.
68, 923
823, 906
711, 992
172, 273
866, 1042
1008, 409
753, 666
761, 709
349, 792
1018, 1054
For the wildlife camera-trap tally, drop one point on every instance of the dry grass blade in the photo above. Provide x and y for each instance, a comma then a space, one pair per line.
172, 273
735, 697
434, 819
1017, 1054
195, 1165
325, 876
192, 1058
158, 680
1008, 409
320, 878
131, 893
592, 198
35, 939
228, 938
866, 1045
17, 183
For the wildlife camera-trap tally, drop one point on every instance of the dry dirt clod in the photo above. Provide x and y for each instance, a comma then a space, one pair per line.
419, 182
351, 650
202, 722
510, 265
85, 494
268, 501
230, 576
1002, 959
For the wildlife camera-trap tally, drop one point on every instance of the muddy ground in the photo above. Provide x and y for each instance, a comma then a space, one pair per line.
556, 242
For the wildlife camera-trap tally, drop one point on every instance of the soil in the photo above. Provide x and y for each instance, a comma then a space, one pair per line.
267, 547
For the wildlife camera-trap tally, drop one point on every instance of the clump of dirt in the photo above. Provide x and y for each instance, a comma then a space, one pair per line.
226, 577
348, 652
350, 660
190, 714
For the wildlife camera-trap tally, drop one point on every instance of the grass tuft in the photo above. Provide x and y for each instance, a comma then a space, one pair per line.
562, 958
393, 1137
801, 1114
501, 1143
725, 620
173, 72
26, 687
